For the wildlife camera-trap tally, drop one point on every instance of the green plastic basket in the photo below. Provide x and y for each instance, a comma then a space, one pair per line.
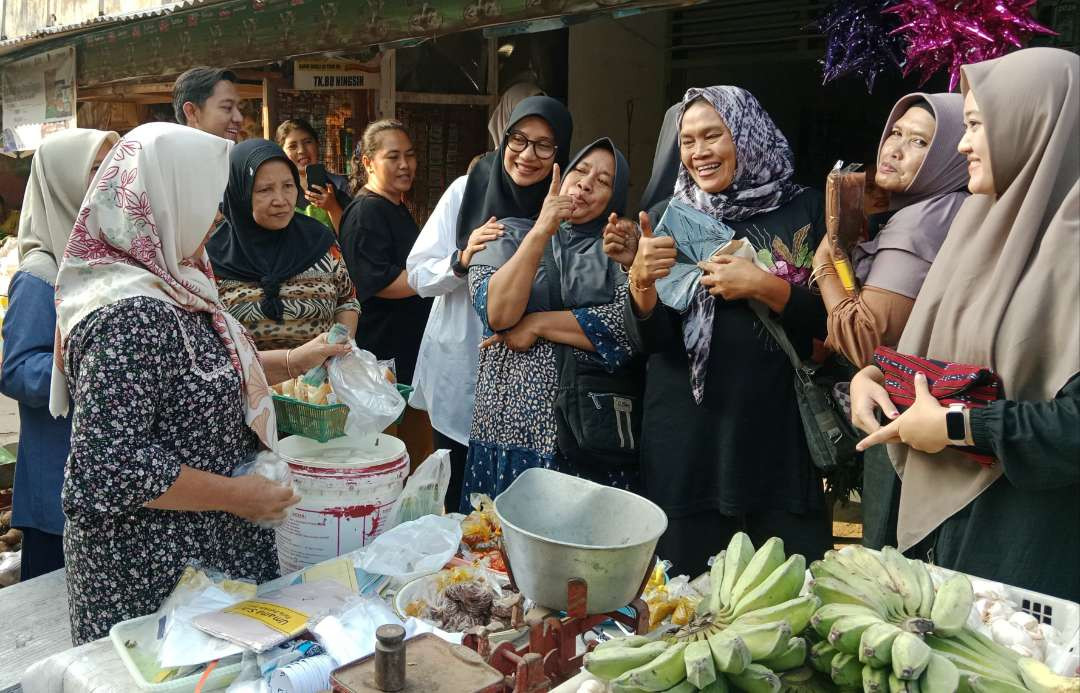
320, 422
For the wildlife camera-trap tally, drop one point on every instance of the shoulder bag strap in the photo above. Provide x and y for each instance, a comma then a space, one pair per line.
778, 333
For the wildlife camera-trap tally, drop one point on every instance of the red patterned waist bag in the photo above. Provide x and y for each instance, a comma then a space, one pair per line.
950, 383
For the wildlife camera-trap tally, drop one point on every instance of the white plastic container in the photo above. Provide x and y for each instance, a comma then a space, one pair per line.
348, 485
134, 640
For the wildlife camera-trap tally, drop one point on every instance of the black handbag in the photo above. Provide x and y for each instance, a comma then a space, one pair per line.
597, 412
829, 435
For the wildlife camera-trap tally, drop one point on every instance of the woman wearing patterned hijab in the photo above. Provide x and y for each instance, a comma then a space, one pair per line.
723, 447
168, 391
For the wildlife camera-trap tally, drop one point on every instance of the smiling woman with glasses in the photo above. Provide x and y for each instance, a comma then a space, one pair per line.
438, 266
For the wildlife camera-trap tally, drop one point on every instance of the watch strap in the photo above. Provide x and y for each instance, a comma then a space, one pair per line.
956, 424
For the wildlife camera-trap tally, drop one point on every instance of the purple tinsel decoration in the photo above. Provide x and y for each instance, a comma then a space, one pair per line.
859, 40
944, 34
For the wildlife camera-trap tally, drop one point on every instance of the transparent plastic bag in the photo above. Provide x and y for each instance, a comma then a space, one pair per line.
358, 381
412, 548
199, 590
267, 463
425, 491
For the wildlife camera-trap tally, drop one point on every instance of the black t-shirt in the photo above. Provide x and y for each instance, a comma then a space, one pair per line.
376, 237
743, 448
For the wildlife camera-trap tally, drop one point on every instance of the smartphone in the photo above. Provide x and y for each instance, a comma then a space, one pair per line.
316, 175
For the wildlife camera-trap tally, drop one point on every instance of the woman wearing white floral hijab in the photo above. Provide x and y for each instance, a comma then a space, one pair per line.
169, 392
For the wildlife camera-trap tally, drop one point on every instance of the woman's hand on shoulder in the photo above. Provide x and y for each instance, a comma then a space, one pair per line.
258, 499
620, 240
478, 239
556, 207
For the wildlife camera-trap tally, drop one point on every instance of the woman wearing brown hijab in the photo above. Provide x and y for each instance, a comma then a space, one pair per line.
1003, 293
925, 180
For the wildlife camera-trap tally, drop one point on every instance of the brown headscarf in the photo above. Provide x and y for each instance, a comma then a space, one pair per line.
1004, 289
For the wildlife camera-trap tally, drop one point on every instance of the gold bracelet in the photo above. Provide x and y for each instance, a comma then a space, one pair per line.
637, 286
288, 367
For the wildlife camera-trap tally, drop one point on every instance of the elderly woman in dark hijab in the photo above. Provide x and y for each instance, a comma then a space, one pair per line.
926, 178
514, 294
279, 273
723, 448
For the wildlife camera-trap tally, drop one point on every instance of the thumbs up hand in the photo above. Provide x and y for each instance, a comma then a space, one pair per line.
655, 256
556, 209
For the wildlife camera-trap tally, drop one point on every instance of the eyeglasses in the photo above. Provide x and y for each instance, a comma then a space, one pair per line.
518, 142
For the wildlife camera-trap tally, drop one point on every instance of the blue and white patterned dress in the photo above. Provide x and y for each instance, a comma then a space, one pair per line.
513, 425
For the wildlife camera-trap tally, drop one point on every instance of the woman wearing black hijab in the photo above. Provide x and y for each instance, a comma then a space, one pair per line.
279, 273
513, 180
513, 292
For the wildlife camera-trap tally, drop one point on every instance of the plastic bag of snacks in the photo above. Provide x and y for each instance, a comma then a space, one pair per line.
425, 491
358, 381
673, 599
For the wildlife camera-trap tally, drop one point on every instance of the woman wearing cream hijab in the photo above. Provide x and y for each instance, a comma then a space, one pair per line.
169, 393
1003, 293
59, 175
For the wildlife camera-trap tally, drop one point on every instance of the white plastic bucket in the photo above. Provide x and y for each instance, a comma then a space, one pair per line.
348, 485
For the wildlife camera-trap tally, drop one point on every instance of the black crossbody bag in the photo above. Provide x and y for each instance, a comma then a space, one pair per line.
597, 412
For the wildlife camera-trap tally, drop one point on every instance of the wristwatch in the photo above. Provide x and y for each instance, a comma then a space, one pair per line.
455, 264
956, 424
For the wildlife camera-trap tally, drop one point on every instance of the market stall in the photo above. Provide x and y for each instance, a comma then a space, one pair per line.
554, 586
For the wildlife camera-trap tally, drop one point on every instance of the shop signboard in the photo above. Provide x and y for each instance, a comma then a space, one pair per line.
316, 75
38, 95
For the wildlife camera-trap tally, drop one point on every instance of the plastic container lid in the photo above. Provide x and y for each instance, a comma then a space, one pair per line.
347, 452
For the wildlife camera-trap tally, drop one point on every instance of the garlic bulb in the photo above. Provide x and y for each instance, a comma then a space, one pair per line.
593, 686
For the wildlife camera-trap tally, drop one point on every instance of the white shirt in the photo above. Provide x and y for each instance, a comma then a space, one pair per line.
445, 376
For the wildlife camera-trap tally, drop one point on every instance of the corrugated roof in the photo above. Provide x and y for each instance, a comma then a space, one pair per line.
54, 32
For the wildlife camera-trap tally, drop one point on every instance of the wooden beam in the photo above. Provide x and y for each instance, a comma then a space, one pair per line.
270, 88
388, 84
493, 72
446, 99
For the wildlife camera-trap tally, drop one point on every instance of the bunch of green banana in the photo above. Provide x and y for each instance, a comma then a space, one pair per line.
884, 628
745, 631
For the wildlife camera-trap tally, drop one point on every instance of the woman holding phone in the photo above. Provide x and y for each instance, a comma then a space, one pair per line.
322, 195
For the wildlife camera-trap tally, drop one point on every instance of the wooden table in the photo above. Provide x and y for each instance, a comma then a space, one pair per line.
35, 622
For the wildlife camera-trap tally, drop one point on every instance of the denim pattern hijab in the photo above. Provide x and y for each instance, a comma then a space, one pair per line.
764, 165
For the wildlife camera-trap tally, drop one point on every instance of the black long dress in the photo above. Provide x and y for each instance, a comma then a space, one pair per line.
738, 461
376, 237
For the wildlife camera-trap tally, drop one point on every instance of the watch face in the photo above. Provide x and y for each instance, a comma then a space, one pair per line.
954, 425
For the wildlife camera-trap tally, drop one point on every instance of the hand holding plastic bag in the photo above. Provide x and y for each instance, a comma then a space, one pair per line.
425, 491
268, 464
412, 549
374, 402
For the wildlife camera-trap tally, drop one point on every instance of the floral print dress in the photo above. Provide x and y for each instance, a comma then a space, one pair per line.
513, 426
153, 389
